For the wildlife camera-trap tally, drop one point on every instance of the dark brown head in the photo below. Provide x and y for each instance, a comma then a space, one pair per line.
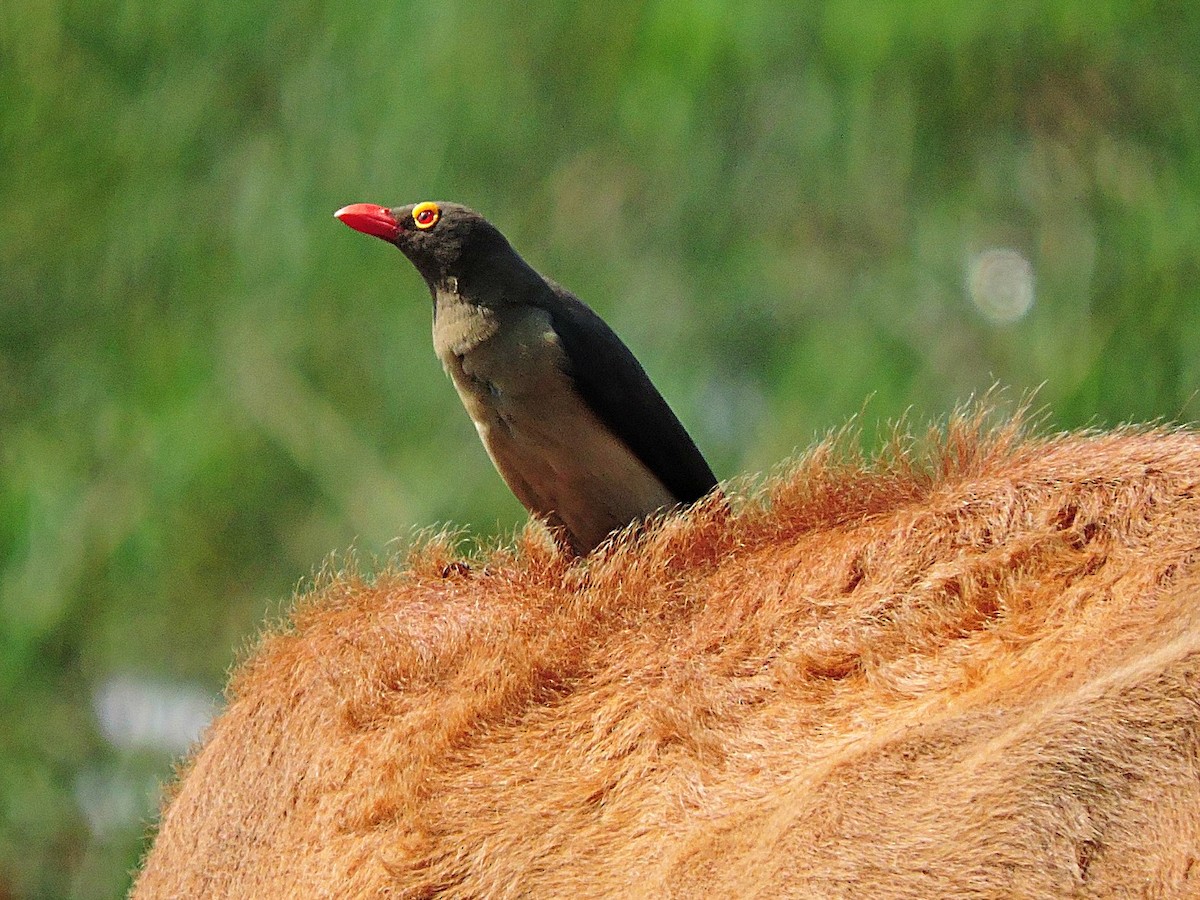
443, 240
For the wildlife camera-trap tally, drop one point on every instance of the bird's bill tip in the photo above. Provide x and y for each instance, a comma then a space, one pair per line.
370, 219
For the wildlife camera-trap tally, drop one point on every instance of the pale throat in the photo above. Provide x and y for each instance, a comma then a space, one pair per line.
458, 326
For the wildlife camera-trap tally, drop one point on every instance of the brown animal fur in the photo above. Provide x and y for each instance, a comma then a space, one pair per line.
969, 673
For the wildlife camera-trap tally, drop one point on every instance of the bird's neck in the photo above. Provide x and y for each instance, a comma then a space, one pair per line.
443, 285
470, 305
497, 279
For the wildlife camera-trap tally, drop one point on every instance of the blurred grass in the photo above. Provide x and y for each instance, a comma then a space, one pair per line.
207, 384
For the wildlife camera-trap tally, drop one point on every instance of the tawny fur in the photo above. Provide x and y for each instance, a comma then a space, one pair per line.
968, 672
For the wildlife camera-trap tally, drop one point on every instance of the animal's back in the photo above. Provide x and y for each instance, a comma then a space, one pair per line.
974, 674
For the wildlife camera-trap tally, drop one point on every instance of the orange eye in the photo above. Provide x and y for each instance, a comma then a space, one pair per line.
425, 215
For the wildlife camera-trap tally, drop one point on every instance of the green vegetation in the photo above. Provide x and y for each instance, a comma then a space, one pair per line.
207, 384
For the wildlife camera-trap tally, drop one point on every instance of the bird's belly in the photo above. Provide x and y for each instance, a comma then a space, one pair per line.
570, 467
555, 454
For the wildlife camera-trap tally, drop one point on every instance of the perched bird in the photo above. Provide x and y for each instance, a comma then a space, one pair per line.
565, 410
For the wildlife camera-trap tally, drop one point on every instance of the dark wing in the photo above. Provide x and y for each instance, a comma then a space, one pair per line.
615, 386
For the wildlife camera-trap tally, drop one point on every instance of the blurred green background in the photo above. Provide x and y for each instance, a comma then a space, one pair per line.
207, 384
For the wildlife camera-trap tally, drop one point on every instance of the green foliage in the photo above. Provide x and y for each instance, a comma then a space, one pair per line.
207, 384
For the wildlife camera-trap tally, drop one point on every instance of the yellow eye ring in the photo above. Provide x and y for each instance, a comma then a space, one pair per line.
425, 215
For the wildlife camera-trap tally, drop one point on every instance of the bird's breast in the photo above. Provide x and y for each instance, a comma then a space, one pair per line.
550, 447
500, 361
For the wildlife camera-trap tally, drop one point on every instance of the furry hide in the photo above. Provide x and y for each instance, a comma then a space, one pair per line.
971, 670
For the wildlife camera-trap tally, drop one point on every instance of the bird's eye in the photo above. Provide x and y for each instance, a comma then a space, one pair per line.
425, 215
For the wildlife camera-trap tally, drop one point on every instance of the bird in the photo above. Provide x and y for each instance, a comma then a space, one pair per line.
564, 409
